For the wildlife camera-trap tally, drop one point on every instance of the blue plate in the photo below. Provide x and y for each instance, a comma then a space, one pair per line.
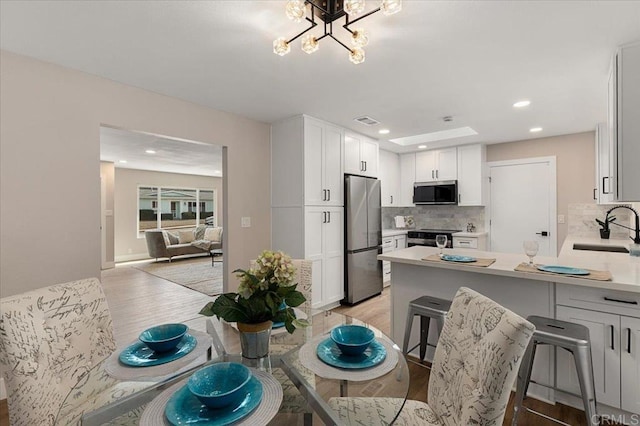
557, 269
184, 408
329, 353
457, 258
139, 354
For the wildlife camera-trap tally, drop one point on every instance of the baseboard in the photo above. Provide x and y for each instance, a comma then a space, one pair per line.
3, 390
130, 257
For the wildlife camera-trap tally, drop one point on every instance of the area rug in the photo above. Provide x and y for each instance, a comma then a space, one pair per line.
194, 273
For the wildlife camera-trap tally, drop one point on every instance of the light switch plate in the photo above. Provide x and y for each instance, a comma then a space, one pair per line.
560, 218
245, 222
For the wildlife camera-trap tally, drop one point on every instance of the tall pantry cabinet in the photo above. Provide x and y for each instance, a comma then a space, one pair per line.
307, 202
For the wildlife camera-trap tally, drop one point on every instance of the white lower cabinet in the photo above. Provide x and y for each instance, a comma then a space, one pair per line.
324, 245
604, 332
630, 363
389, 244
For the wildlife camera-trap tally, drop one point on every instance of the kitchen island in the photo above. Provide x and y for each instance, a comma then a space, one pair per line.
557, 296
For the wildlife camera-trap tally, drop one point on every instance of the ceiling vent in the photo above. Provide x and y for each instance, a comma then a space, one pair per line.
367, 121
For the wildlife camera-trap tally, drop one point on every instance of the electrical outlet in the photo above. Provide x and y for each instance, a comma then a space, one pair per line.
245, 222
560, 218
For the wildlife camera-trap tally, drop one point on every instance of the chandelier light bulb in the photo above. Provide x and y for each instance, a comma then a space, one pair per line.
360, 37
281, 47
295, 10
357, 55
390, 7
309, 44
353, 7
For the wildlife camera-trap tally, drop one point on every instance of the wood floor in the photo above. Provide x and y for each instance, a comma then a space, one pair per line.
138, 300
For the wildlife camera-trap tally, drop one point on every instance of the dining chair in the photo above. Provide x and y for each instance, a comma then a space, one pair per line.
474, 368
50, 341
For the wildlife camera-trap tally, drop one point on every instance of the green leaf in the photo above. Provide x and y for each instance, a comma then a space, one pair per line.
300, 323
283, 291
294, 299
289, 326
226, 307
273, 302
207, 310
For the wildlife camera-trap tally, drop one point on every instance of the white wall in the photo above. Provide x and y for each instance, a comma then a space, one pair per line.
126, 203
50, 168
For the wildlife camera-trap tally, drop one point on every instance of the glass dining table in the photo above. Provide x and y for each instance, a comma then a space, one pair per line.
308, 385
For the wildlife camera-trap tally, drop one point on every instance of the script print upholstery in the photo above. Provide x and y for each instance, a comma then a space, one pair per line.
474, 367
50, 340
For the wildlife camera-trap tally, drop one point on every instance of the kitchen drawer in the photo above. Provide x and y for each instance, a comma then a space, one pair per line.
388, 244
386, 266
465, 242
597, 299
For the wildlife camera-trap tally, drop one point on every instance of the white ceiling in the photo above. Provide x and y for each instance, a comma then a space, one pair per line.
468, 59
171, 155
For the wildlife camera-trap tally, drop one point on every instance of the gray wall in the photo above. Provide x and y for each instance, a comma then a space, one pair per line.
50, 168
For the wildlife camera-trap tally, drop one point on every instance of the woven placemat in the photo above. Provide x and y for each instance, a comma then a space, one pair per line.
308, 357
480, 262
121, 371
153, 414
593, 274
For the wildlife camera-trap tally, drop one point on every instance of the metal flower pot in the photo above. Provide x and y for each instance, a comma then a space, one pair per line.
254, 339
604, 234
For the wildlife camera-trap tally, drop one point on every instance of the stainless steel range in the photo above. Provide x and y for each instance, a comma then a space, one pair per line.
427, 237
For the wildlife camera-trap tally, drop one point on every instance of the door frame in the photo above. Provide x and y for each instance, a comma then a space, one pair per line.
553, 193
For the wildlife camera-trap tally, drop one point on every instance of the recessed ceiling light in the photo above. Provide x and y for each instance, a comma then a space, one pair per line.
521, 104
535, 129
150, 151
122, 161
383, 131
422, 146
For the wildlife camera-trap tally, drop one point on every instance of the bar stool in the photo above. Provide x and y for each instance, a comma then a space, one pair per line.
571, 337
427, 307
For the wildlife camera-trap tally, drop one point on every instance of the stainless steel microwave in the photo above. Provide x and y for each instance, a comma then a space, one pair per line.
443, 192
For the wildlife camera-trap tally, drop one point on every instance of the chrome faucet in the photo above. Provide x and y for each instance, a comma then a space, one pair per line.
636, 240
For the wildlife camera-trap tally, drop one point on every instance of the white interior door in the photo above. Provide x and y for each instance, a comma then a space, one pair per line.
523, 205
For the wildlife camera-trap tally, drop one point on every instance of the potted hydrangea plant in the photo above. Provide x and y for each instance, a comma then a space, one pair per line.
266, 294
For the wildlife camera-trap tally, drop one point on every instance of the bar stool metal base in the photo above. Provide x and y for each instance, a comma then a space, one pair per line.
427, 307
571, 337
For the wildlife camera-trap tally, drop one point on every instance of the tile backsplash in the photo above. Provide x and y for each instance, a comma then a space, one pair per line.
582, 220
436, 217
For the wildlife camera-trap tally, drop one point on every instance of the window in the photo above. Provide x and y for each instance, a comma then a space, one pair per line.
174, 208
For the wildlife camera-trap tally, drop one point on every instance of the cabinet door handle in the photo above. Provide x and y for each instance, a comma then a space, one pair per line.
392, 199
595, 197
612, 346
436, 174
329, 219
603, 185
432, 175
629, 302
396, 243
324, 217
362, 166
365, 166
459, 197
324, 195
329, 195
628, 340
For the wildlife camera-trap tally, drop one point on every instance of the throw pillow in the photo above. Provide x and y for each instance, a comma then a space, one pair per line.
165, 236
199, 232
213, 234
173, 238
185, 237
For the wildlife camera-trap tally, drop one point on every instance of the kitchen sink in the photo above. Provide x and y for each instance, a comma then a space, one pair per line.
598, 247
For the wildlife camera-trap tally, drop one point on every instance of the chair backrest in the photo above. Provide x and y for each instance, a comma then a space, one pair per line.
49, 339
476, 360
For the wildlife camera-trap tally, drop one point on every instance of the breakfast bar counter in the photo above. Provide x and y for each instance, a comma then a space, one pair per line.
529, 293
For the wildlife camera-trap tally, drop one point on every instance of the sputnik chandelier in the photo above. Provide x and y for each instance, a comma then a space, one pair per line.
329, 11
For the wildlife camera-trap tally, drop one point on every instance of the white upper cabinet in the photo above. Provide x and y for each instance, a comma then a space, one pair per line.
436, 165
306, 163
603, 193
407, 179
361, 155
471, 176
389, 175
624, 126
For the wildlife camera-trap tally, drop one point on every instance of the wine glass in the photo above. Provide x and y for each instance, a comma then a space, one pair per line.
530, 249
441, 242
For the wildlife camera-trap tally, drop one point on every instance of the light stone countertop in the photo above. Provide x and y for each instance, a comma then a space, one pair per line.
624, 268
392, 232
469, 234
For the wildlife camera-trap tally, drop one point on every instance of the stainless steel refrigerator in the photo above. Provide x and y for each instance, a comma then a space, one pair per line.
363, 239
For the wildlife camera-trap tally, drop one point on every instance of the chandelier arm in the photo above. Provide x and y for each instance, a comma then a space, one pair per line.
339, 42
323, 36
313, 24
346, 26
